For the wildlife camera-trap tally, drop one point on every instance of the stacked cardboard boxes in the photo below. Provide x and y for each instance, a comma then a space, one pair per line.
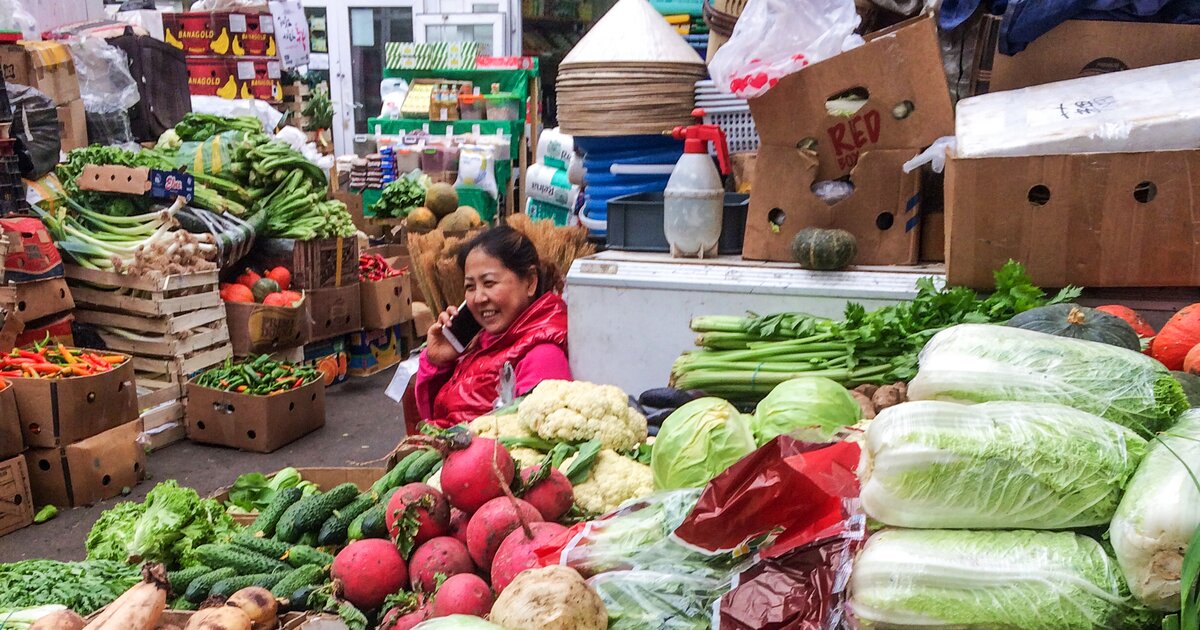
231, 54
387, 318
16, 497
48, 67
35, 292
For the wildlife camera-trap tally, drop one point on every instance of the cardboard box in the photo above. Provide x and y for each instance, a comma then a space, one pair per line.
60, 411
31, 253
233, 33
233, 78
354, 205
149, 182
1094, 220
261, 424
933, 237
423, 318
324, 478
387, 302
397, 256
317, 264
372, 351
56, 328
11, 328
335, 312
899, 71
16, 498
31, 301
255, 329
1080, 48
46, 66
330, 357
11, 441
72, 125
90, 470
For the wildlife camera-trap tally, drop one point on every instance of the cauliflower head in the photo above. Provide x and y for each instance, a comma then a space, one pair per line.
575, 411
613, 480
505, 425
524, 457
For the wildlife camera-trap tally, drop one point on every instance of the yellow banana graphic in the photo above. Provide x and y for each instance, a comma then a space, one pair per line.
246, 91
237, 46
169, 37
229, 90
271, 47
220, 45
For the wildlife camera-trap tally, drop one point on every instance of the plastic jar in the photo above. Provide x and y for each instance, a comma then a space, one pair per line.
472, 107
503, 106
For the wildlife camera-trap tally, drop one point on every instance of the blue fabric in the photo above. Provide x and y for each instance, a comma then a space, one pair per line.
1026, 20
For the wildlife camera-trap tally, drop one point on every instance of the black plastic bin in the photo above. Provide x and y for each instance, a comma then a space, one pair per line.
635, 223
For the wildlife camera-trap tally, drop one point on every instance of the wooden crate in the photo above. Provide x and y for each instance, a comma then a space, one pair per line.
159, 372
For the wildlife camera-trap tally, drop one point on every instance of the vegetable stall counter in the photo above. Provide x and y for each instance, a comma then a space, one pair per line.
629, 312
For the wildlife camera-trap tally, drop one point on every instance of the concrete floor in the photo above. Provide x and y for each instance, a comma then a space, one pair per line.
361, 424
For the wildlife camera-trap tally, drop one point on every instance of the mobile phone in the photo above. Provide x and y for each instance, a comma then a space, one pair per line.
463, 328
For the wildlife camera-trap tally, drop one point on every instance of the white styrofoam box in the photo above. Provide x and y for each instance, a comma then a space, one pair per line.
1148, 109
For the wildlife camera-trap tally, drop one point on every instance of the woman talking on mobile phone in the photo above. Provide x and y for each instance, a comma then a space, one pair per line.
522, 321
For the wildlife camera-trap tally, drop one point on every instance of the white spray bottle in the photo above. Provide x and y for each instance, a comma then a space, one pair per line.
694, 200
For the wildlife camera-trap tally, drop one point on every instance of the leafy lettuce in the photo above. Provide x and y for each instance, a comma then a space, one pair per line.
997, 465
978, 363
254, 491
699, 441
1006, 579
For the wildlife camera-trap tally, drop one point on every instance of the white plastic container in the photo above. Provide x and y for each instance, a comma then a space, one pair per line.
694, 201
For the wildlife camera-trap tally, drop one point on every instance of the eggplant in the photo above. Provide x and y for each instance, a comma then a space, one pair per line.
666, 398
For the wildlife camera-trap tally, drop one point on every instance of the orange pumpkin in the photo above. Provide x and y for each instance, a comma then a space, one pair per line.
248, 278
282, 277
237, 293
1178, 336
1191, 363
1140, 326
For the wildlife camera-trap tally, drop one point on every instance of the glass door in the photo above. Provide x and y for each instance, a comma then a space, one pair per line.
489, 30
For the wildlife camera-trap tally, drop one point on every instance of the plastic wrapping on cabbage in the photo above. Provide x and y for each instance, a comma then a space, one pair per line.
698, 442
636, 600
998, 465
1003, 579
456, 622
975, 363
1159, 515
809, 408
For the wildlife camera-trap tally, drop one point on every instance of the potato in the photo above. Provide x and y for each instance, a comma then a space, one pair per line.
867, 389
890, 396
219, 618
258, 604
61, 620
868, 407
550, 598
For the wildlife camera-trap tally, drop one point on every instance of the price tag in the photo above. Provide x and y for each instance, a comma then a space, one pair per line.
291, 33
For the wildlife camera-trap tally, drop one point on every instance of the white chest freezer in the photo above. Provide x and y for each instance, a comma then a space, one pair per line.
629, 312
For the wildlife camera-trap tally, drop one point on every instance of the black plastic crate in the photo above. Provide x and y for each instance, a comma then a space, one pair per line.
635, 223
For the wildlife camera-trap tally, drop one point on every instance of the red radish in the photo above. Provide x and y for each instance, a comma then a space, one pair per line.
463, 594
428, 508
369, 571
281, 276
443, 555
516, 553
1178, 336
551, 496
1131, 316
493, 523
469, 475
248, 278
458, 524
393, 620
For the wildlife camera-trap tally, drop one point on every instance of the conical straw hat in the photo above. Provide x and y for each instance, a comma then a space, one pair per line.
632, 31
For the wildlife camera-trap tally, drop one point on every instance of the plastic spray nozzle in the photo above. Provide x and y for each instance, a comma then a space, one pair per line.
696, 138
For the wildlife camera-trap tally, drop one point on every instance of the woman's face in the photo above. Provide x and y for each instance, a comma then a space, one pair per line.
495, 294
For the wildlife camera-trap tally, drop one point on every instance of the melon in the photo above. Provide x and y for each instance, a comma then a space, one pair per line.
263, 288
421, 220
824, 249
441, 199
461, 220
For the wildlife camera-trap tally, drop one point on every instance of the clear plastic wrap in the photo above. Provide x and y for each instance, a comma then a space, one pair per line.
14, 17
1159, 515
636, 600
975, 363
1004, 579
104, 80
997, 465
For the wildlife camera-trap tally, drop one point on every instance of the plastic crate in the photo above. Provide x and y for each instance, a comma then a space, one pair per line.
740, 132
635, 223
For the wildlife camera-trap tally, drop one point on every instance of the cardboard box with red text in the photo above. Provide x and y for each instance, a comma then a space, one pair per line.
55, 412
90, 470
254, 423
235, 78
907, 106
222, 33
16, 497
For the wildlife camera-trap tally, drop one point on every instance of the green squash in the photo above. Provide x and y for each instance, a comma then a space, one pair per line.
1079, 322
1191, 386
263, 288
824, 249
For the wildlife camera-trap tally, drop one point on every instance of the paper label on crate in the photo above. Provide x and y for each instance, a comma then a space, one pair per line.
237, 23
245, 70
266, 23
292, 34
273, 70
171, 184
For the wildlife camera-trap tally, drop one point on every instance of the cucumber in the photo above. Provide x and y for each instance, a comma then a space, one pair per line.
231, 585
304, 576
422, 466
309, 539
180, 603
180, 579
395, 477
268, 547
308, 514
238, 558
303, 555
374, 524
298, 600
269, 517
198, 589
333, 531
356, 532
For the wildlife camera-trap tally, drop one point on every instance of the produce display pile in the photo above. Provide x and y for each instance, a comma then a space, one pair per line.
258, 376
47, 361
373, 268
270, 289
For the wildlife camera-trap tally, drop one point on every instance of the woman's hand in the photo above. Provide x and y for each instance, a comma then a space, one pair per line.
438, 351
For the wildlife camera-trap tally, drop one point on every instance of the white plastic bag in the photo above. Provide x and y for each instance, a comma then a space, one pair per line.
477, 169
774, 38
935, 155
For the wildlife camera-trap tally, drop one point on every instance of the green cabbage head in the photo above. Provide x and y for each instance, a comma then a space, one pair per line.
1159, 515
1003, 579
698, 442
456, 622
809, 408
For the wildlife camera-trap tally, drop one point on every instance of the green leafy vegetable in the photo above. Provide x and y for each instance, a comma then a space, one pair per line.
636, 600
698, 442
810, 409
81, 586
997, 465
1004, 579
403, 195
977, 363
254, 491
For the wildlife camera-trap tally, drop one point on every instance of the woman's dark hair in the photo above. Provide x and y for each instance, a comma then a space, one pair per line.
516, 252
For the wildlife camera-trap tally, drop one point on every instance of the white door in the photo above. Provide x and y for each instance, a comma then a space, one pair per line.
489, 30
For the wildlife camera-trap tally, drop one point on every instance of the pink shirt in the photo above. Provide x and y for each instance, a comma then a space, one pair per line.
542, 363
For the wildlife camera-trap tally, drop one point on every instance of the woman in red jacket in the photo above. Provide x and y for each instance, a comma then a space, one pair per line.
511, 293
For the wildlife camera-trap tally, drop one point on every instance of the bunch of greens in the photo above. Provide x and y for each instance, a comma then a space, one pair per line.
318, 110
81, 586
402, 196
196, 126
166, 528
657, 599
254, 491
743, 359
107, 203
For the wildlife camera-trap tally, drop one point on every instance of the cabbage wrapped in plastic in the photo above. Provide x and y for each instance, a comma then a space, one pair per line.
456, 622
698, 442
1002, 579
1159, 515
636, 600
808, 408
997, 465
975, 363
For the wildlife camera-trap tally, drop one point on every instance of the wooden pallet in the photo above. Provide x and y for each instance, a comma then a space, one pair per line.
158, 373
165, 295
167, 346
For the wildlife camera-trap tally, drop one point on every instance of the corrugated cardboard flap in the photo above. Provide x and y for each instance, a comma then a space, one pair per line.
49, 54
